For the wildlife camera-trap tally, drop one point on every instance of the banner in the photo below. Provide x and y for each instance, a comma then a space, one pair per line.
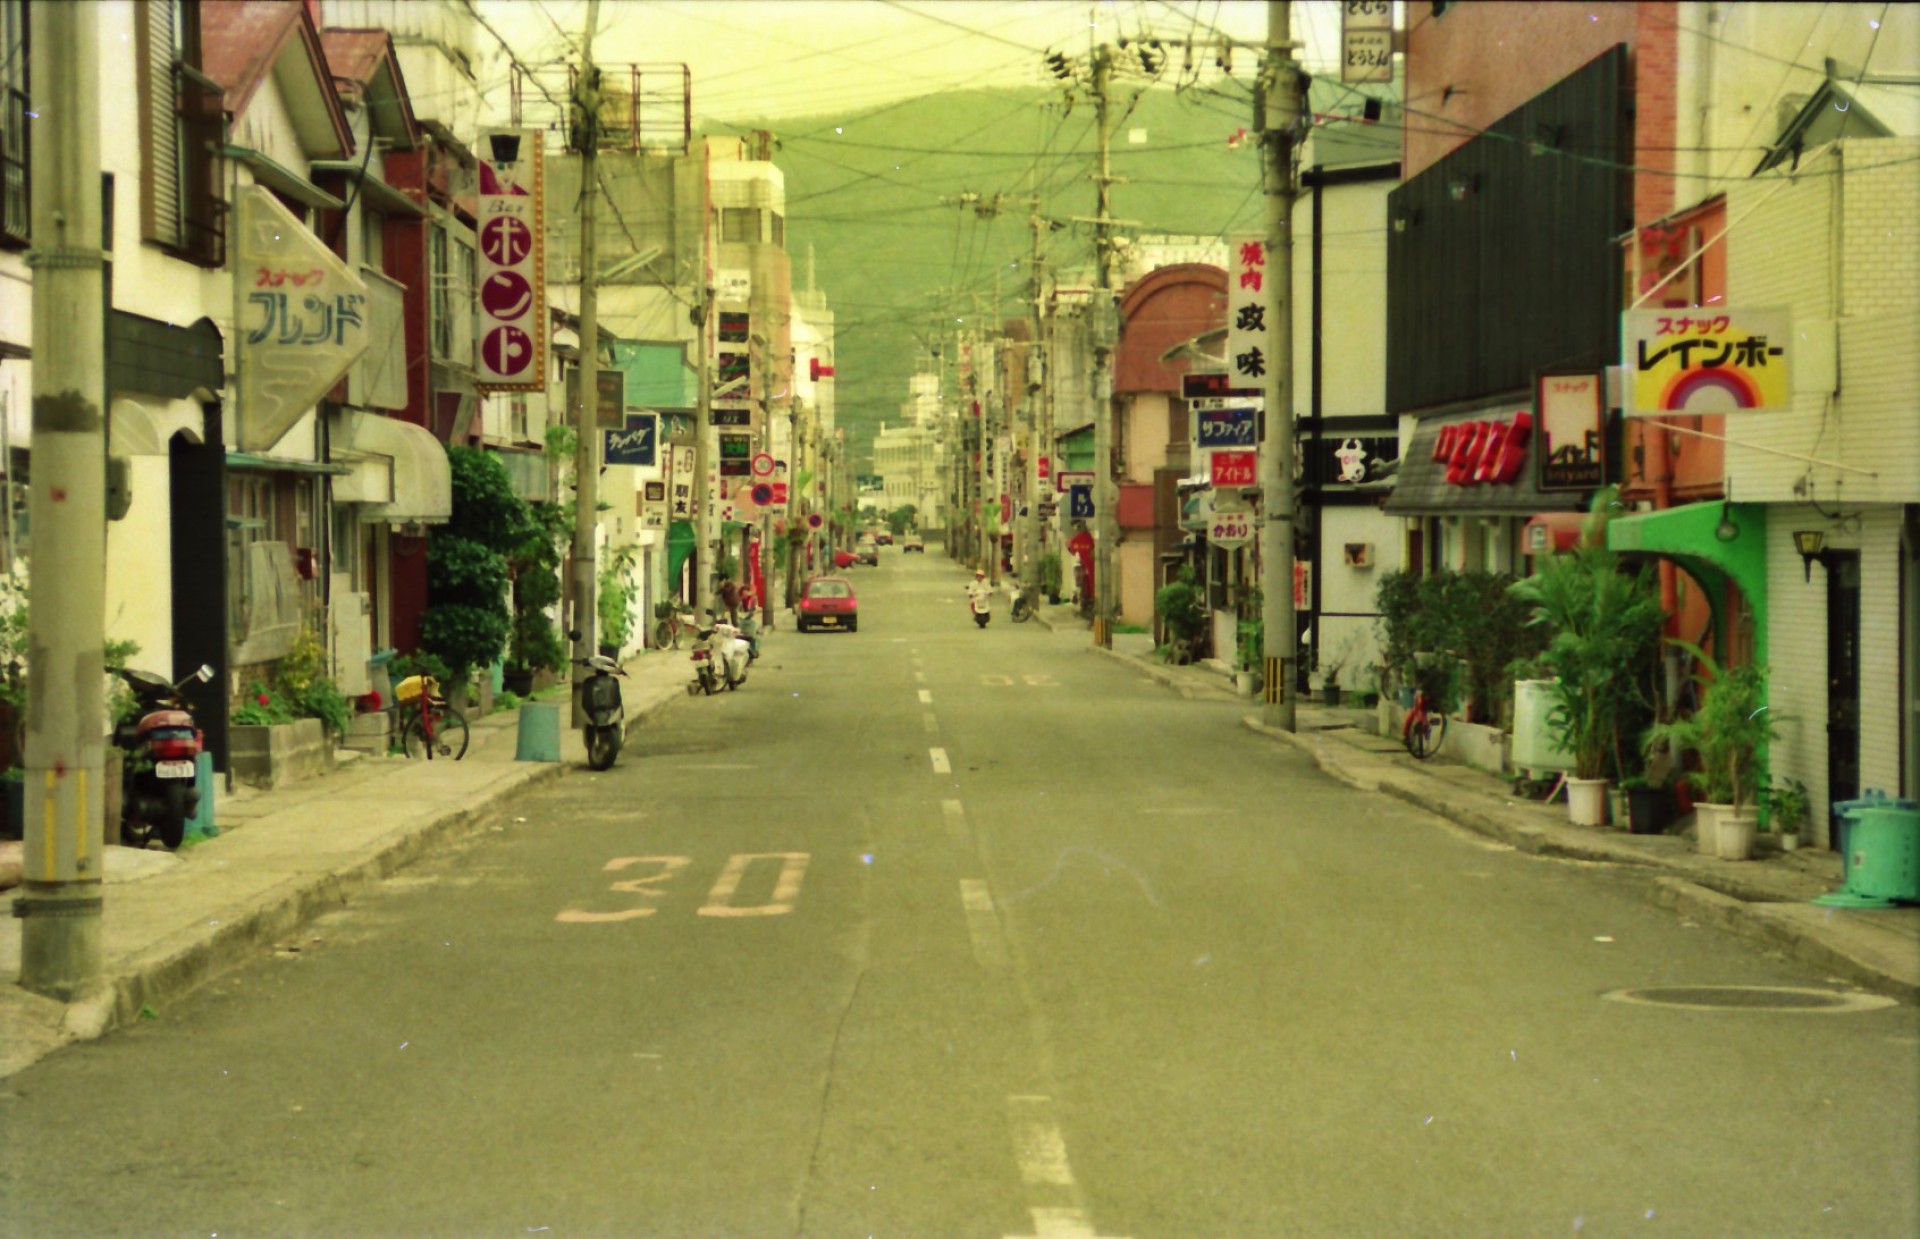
302, 319
511, 317
1249, 338
1706, 360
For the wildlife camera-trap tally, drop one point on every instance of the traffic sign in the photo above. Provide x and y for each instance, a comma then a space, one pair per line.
763, 465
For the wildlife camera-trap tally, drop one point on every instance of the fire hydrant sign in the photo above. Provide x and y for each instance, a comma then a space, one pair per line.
510, 314
1709, 359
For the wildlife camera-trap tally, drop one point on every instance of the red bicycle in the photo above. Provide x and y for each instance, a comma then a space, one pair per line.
1426, 728
429, 726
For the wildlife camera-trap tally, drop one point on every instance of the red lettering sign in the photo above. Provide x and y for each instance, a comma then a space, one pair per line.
1233, 468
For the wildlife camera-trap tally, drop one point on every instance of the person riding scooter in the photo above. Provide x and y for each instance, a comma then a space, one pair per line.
980, 599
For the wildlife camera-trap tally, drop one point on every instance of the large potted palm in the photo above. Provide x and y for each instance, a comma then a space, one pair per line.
1604, 625
1726, 733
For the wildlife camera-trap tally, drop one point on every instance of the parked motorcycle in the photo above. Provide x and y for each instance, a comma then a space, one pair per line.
705, 678
606, 714
720, 660
1024, 604
159, 784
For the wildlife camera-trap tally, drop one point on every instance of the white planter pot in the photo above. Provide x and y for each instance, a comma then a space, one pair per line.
1790, 843
1706, 827
1738, 830
1587, 802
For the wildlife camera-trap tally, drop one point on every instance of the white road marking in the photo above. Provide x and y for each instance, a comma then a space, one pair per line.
929, 723
956, 823
919, 677
926, 696
989, 948
1040, 1150
940, 763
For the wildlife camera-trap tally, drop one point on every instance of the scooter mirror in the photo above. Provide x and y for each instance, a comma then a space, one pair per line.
573, 634
204, 674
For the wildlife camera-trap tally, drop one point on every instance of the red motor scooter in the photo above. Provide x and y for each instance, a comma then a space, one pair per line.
162, 746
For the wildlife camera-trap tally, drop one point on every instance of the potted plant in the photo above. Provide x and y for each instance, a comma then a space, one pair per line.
1332, 665
468, 620
1051, 577
1789, 804
1726, 734
1649, 806
534, 644
1178, 603
1250, 636
614, 602
1604, 625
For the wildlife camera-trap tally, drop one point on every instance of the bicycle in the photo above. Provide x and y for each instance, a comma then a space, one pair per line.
1425, 729
666, 632
429, 726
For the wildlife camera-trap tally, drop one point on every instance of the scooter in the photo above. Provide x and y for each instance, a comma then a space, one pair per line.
606, 715
1024, 605
159, 784
732, 653
705, 678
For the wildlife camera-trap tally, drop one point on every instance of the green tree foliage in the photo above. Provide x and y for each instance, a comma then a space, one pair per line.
468, 621
901, 519
535, 567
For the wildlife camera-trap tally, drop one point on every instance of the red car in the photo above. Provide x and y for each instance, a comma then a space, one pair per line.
828, 602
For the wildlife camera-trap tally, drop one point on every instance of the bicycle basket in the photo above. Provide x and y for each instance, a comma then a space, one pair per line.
410, 688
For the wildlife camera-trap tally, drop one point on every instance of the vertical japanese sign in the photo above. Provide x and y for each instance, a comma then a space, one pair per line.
1716, 360
1249, 338
680, 481
511, 317
733, 367
1366, 41
302, 319
1573, 430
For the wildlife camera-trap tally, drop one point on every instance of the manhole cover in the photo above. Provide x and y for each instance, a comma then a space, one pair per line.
1751, 998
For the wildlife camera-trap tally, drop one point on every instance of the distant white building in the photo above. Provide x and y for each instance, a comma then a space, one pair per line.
909, 459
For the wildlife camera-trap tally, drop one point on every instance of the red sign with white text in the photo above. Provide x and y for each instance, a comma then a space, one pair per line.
1234, 468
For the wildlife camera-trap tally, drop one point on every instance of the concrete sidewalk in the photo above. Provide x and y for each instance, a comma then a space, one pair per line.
1767, 899
174, 919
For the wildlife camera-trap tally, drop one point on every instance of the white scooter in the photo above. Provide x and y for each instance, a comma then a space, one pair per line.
720, 657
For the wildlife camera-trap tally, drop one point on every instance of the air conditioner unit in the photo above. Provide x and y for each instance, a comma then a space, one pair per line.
1359, 554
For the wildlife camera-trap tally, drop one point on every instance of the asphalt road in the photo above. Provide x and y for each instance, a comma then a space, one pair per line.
930, 931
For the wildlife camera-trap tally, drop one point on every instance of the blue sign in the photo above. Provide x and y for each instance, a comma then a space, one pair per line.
637, 443
1226, 428
1080, 503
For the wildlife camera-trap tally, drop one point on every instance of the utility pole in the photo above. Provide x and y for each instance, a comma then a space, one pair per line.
703, 535
1277, 112
61, 906
1106, 524
1035, 397
586, 449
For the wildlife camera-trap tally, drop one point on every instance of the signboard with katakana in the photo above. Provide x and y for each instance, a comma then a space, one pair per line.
1249, 337
1226, 428
510, 310
637, 444
1711, 359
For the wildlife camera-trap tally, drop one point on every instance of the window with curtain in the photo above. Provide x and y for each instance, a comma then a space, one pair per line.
182, 130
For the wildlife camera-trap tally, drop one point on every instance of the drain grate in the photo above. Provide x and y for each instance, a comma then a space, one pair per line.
1751, 998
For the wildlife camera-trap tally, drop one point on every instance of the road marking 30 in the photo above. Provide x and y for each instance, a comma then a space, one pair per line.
720, 898
1032, 679
940, 763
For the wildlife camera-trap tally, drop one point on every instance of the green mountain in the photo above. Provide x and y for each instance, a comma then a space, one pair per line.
912, 211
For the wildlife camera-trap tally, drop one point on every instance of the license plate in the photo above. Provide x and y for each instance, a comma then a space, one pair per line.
829, 620
173, 769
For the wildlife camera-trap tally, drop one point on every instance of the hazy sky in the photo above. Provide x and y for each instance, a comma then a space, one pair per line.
775, 58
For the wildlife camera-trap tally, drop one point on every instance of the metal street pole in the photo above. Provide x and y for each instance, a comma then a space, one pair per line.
1035, 393
586, 451
702, 500
1105, 331
1278, 111
61, 906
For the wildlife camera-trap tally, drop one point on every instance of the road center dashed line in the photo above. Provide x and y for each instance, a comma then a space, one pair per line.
940, 763
929, 723
956, 823
989, 947
1054, 1200
926, 696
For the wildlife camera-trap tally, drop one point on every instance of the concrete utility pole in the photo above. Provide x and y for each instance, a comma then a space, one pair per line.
1035, 398
586, 450
703, 533
1105, 330
61, 906
1277, 111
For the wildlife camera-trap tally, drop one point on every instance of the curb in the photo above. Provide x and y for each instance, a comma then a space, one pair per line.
1783, 926
184, 961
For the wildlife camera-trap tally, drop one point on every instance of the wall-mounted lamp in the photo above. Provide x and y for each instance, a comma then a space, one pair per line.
1406, 219
1810, 544
1460, 188
1726, 530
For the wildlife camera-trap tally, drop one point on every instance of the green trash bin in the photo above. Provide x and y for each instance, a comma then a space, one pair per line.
1883, 859
539, 735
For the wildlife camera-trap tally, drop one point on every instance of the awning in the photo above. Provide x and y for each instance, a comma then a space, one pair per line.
247, 462
380, 196
275, 175
1422, 488
399, 470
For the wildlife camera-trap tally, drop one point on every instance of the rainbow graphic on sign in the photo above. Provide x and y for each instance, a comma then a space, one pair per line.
1706, 359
